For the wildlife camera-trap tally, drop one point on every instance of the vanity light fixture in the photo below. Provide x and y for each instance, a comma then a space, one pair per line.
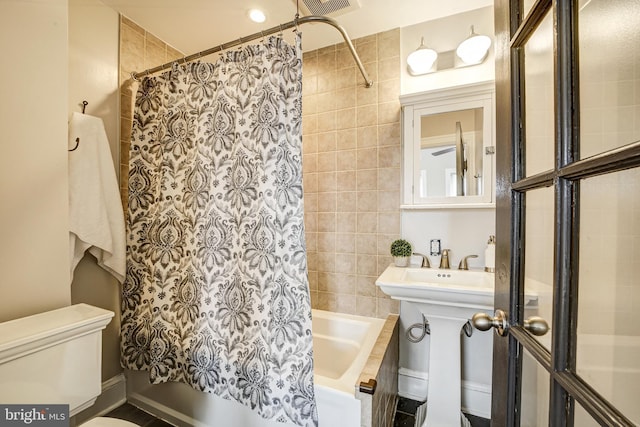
256, 15
474, 48
471, 51
421, 60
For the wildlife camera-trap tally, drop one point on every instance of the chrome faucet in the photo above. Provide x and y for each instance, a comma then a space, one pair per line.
425, 260
444, 259
463, 264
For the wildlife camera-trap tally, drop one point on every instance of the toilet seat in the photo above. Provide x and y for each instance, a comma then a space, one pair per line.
108, 422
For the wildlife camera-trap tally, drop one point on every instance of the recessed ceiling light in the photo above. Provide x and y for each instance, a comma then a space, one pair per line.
257, 15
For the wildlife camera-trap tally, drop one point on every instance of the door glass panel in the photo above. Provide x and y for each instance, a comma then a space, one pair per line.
527, 5
539, 99
535, 393
609, 74
539, 257
608, 350
582, 418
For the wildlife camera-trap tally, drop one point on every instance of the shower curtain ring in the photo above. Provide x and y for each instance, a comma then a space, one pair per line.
280, 33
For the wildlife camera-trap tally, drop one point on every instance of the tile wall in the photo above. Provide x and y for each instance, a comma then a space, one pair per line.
139, 50
351, 165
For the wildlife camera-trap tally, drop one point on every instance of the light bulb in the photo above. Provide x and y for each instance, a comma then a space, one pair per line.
422, 59
474, 48
257, 15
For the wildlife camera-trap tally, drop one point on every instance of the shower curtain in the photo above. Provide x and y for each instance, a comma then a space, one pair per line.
216, 293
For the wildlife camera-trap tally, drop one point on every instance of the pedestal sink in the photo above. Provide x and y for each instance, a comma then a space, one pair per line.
448, 299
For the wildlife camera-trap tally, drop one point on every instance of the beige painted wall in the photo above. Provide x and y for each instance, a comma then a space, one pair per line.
34, 238
93, 76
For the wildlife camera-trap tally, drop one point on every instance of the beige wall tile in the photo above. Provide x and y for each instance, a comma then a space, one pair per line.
366, 306
344, 59
388, 90
367, 179
327, 142
326, 221
326, 121
327, 202
346, 119
389, 157
389, 112
326, 161
325, 102
367, 115
368, 222
346, 78
389, 68
367, 158
346, 139
310, 143
389, 45
345, 98
389, 179
367, 201
367, 136
347, 160
347, 201
327, 81
346, 181
346, 222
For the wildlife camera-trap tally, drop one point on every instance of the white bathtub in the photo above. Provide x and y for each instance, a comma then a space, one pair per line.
342, 344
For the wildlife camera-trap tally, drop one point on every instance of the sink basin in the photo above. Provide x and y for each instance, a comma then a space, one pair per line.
460, 288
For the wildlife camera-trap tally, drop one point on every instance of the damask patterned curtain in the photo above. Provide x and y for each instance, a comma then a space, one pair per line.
216, 293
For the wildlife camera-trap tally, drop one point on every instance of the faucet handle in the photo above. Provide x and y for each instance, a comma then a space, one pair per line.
463, 263
425, 260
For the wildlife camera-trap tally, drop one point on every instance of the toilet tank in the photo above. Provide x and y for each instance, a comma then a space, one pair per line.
53, 357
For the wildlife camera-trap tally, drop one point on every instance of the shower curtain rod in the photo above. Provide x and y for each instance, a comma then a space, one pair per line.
254, 36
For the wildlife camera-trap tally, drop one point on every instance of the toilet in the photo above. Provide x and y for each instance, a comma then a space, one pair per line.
55, 358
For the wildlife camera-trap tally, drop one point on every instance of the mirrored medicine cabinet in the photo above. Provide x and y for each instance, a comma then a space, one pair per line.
448, 148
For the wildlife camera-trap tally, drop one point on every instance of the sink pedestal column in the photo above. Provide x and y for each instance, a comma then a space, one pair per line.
443, 394
445, 382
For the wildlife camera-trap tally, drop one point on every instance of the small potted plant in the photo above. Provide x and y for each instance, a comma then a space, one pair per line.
401, 251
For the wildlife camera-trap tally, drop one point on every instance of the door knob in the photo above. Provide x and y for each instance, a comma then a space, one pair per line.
536, 325
482, 321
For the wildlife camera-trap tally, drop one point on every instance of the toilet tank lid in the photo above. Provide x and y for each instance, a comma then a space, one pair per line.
31, 333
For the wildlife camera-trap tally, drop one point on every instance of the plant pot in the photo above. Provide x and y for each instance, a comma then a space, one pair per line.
401, 261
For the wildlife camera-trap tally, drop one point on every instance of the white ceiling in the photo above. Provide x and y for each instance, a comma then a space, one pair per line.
195, 25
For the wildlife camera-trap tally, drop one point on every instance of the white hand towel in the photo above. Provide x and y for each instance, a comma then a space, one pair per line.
96, 219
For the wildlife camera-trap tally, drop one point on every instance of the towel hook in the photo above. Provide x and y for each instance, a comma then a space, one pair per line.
84, 105
77, 144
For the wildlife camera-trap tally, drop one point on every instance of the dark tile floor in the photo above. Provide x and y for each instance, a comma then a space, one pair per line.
405, 415
406, 411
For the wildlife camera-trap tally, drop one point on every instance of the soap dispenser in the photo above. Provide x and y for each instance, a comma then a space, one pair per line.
490, 255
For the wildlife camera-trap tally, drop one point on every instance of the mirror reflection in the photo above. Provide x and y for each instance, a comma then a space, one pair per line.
451, 146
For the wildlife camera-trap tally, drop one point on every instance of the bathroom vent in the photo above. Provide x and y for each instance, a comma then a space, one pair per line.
327, 7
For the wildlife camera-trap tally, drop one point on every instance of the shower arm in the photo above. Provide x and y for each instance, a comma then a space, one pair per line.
295, 23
